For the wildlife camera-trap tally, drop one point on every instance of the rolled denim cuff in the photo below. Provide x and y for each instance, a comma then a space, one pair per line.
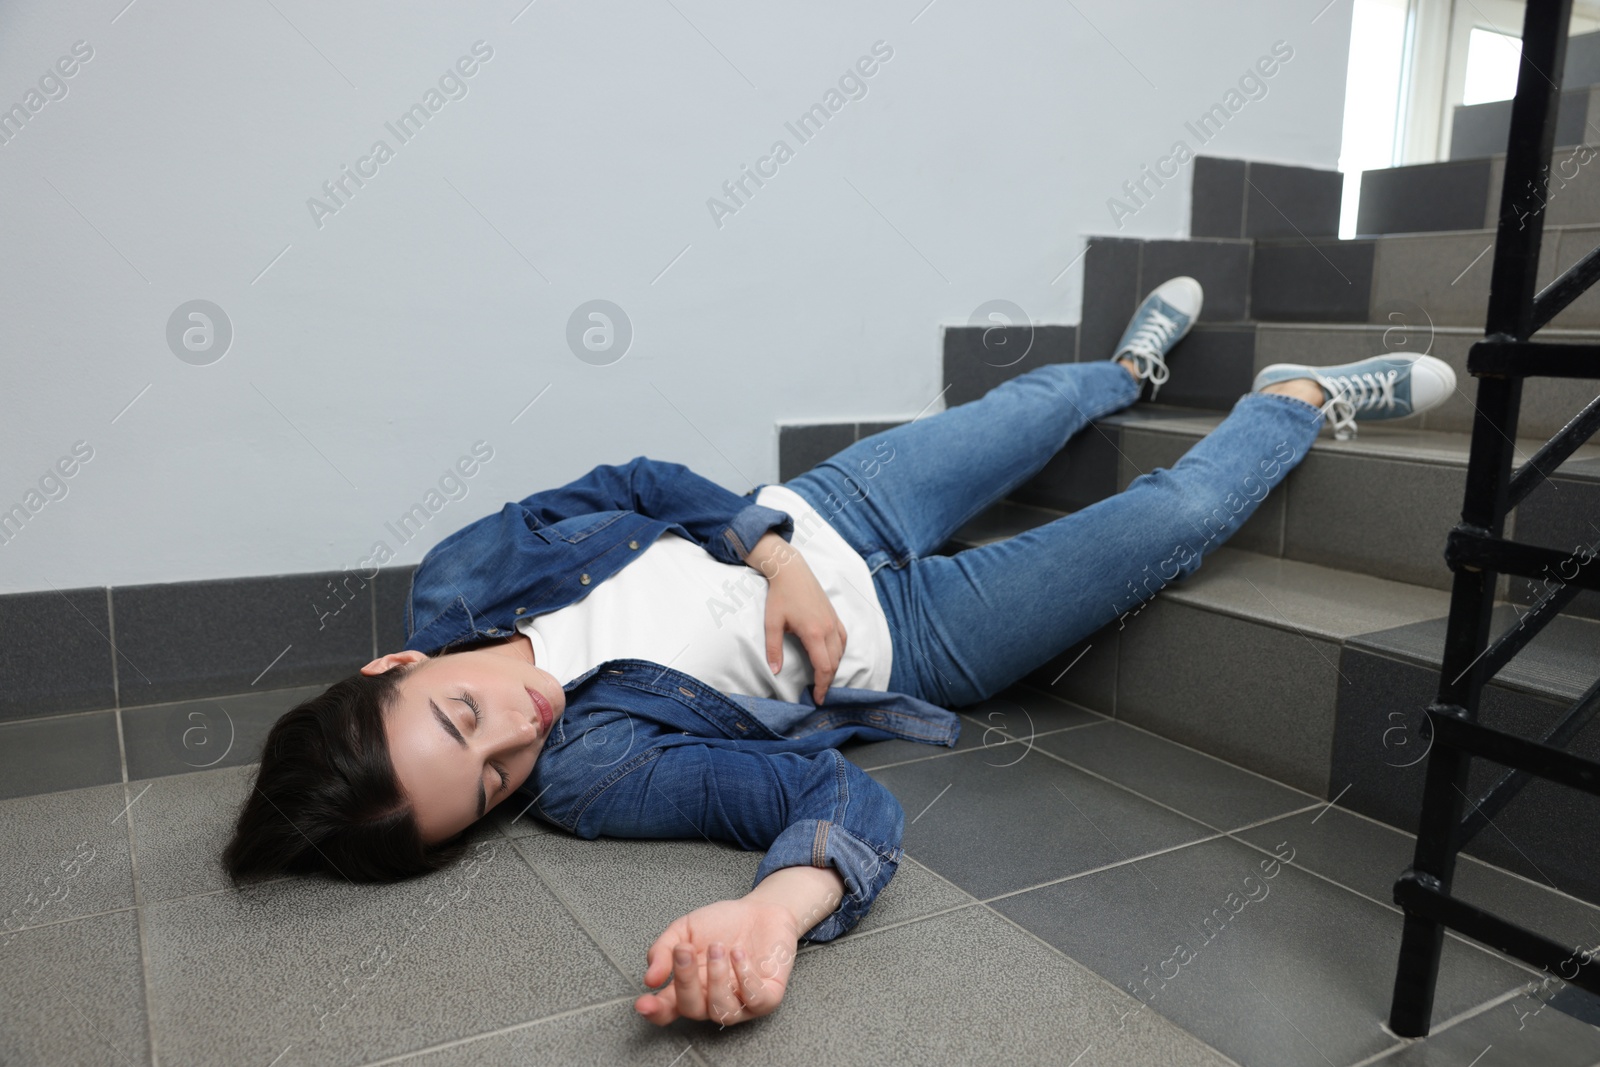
749, 526
865, 869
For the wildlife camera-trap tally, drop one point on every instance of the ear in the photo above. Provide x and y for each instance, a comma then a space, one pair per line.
393, 660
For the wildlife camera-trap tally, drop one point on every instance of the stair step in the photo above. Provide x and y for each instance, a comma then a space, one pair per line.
1479, 129
1319, 677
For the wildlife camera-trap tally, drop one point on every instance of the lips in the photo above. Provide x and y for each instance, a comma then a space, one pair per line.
542, 706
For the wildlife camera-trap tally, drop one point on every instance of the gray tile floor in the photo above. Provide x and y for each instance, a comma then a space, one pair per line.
1076, 891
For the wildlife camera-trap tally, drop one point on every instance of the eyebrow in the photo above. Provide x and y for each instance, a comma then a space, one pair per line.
450, 728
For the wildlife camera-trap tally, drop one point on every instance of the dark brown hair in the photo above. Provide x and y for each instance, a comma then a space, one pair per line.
326, 798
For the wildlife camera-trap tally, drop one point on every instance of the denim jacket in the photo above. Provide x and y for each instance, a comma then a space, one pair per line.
645, 751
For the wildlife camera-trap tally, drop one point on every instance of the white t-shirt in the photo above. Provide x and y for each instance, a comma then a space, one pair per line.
678, 606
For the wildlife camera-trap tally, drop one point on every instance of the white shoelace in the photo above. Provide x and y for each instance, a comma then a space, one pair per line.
1349, 393
1145, 348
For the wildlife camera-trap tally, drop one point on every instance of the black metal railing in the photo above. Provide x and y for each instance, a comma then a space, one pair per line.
1478, 553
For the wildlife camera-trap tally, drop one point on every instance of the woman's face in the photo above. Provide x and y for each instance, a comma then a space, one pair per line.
454, 764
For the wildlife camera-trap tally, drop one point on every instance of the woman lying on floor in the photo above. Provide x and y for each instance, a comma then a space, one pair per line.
644, 654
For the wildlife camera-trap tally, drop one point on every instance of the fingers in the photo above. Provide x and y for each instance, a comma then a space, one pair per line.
686, 979
774, 642
752, 988
724, 1006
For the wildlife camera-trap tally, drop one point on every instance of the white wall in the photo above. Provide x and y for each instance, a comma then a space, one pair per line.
372, 352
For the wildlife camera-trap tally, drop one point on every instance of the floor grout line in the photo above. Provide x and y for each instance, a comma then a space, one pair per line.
471, 1038
572, 912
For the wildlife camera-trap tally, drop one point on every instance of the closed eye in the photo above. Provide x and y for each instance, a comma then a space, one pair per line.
477, 715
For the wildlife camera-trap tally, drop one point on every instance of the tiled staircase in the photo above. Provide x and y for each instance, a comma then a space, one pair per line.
1307, 647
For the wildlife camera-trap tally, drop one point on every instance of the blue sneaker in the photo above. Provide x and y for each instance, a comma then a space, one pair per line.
1379, 387
1161, 321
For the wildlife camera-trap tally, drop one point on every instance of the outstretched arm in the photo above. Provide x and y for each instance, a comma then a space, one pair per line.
729, 961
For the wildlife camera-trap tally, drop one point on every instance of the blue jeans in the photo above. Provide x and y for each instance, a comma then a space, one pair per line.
966, 626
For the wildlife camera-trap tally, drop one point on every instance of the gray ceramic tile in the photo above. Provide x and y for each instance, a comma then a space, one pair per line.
1202, 787
1110, 294
1442, 274
62, 752
1217, 197
1318, 601
346, 974
1221, 267
865, 430
802, 447
1320, 280
74, 994
281, 634
1249, 693
1144, 451
1210, 368
1524, 1030
1561, 661
1368, 856
196, 735
63, 855
1001, 520
1015, 715
611, 1034
1010, 816
1377, 769
1283, 201
57, 653
1281, 970
1380, 517
515, 818
1080, 474
181, 824
976, 359
1086, 673
1430, 196
626, 893
1564, 514
843, 1006
391, 594
1572, 244
868, 754
1482, 129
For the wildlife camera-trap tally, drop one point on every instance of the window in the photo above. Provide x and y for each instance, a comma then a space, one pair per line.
1492, 61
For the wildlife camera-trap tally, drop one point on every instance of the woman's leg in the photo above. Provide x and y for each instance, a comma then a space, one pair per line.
974, 623
898, 495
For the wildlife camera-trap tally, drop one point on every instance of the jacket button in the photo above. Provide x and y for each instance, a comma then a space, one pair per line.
740, 725
494, 629
685, 692
584, 578
633, 544
521, 610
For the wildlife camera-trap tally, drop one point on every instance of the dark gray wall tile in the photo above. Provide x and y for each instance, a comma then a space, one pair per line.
391, 595
1217, 197
802, 447
1080, 474
192, 639
57, 653
865, 430
1110, 294
1282, 201
67, 752
1221, 267
198, 735
1311, 281
1210, 368
1433, 196
976, 359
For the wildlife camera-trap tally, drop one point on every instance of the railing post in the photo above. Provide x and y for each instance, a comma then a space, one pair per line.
1510, 316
